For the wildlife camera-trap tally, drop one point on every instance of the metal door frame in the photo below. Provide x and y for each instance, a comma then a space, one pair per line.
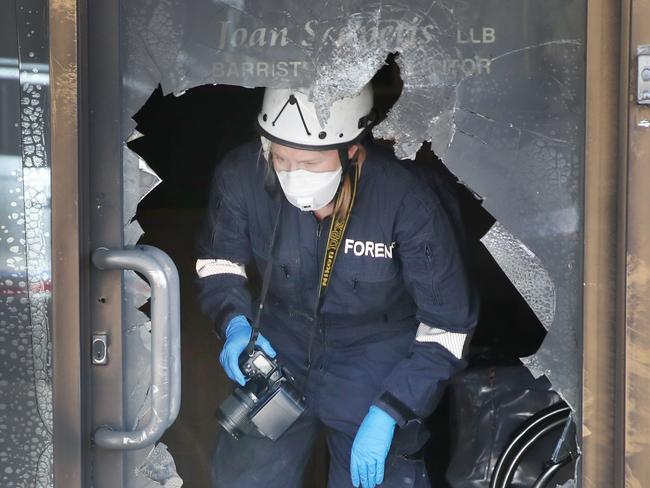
600, 247
69, 272
101, 88
86, 213
616, 381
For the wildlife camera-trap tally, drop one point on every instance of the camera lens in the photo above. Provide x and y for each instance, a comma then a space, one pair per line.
233, 416
233, 413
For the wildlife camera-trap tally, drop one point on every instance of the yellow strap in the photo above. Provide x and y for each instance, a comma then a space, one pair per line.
335, 237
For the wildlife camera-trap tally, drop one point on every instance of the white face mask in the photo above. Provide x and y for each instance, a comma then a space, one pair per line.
309, 190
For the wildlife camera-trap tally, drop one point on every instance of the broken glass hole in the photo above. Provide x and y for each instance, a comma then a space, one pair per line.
507, 330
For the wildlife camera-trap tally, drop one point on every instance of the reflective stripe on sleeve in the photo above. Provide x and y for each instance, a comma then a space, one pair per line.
210, 267
454, 342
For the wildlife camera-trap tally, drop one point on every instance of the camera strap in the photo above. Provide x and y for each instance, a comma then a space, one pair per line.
265, 282
334, 239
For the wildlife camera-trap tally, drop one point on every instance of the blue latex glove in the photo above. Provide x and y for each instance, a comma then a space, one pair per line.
238, 333
370, 448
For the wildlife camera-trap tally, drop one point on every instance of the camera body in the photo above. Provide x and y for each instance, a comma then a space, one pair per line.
268, 404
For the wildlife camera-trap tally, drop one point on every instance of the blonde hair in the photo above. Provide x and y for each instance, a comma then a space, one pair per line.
343, 202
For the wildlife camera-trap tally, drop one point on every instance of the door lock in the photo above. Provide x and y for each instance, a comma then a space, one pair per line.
643, 78
99, 349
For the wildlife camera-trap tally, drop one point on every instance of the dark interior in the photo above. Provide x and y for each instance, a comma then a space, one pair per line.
184, 139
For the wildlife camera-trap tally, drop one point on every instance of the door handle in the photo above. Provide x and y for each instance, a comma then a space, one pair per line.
160, 271
169, 268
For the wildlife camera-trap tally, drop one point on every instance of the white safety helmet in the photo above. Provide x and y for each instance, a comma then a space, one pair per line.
289, 118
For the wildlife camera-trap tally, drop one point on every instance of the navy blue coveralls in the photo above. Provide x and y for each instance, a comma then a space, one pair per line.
399, 266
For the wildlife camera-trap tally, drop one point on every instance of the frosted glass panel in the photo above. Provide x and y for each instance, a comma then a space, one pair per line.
25, 260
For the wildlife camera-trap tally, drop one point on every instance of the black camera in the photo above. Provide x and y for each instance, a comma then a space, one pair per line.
268, 404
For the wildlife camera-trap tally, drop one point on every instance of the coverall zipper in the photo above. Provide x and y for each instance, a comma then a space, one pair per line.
319, 264
311, 339
319, 226
317, 322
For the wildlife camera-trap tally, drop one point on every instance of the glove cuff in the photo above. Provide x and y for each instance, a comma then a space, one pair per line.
382, 416
395, 408
236, 324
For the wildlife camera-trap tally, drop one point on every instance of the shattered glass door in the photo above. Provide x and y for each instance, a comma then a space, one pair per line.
495, 87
